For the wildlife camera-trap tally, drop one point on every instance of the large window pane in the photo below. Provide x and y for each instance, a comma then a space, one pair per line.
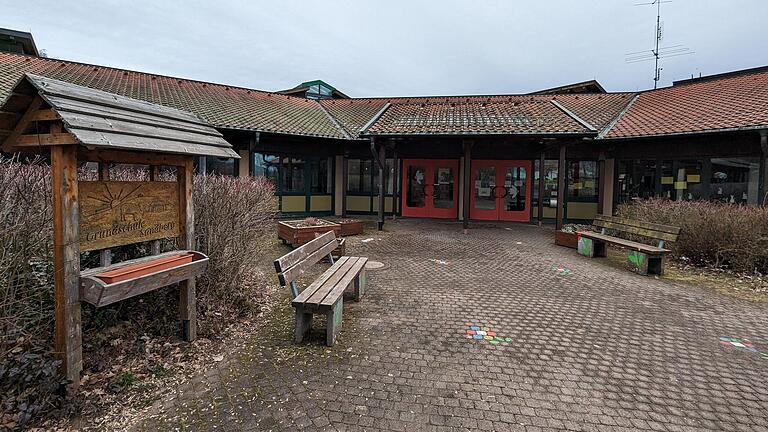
359, 177
582, 181
266, 166
735, 180
688, 182
637, 179
292, 175
223, 166
321, 176
550, 183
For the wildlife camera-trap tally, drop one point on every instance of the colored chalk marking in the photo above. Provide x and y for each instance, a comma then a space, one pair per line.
742, 344
474, 328
484, 333
491, 333
488, 338
470, 332
509, 339
478, 337
495, 342
481, 332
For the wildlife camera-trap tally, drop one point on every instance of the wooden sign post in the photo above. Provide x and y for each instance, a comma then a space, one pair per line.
77, 124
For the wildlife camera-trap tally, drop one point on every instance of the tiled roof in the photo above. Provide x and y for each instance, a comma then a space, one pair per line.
517, 117
732, 102
222, 106
353, 114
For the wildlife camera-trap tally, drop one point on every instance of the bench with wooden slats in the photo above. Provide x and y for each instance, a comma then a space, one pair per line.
643, 258
326, 294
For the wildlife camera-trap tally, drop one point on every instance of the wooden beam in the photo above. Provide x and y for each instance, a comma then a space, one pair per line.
129, 157
45, 115
600, 182
187, 302
542, 161
763, 175
23, 123
467, 183
561, 176
66, 261
50, 139
382, 191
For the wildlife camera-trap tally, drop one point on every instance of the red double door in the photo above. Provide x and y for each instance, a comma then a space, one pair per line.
501, 190
430, 188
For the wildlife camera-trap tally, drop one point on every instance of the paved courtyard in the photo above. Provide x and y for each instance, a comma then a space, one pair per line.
596, 348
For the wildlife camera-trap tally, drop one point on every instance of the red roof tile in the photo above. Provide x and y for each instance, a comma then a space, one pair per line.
518, 117
731, 102
222, 106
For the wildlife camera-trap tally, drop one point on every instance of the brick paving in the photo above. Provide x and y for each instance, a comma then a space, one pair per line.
599, 349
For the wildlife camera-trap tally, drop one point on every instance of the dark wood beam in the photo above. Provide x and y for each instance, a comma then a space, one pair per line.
23, 123
128, 157
382, 165
561, 176
600, 183
51, 139
45, 115
763, 175
540, 215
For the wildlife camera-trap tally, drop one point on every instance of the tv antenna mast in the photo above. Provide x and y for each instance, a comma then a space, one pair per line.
658, 53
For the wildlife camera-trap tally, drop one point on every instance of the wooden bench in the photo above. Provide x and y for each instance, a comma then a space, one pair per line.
326, 294
642, 258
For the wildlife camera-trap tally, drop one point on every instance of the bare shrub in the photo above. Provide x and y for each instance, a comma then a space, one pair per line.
232, 216
713, 234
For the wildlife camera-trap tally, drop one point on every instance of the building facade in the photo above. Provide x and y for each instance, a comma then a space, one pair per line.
562, 154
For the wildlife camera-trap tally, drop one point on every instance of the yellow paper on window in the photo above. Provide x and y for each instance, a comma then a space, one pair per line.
577, 185
693, 178
681, 185
667, 180
589, 184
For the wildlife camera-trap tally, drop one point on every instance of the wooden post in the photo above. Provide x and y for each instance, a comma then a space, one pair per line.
541, 187
382, 165
154, 173
467, 183
105, 255
763, 175
344, 186
395, 184
561, 175
600, 181
66, 261
187, 303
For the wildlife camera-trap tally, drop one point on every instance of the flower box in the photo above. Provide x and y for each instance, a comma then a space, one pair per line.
567, 239
144, 268
350, 227
299, 232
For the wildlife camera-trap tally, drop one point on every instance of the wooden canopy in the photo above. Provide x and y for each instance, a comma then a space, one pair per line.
99, 120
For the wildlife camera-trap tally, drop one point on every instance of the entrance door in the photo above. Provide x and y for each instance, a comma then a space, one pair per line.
501, 190
429, 188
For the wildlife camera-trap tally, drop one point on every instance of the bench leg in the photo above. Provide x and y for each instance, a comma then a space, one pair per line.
303, 324
333, 322
360, 284
592, 248
656, 265
637, 262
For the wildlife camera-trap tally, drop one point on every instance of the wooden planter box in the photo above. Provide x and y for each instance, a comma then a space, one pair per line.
298, 232
350, 227
103, 286
569, 240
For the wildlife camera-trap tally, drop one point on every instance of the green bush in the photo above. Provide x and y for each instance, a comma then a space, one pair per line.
713, 234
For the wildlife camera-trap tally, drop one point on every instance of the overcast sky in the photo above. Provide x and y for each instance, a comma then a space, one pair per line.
399, 47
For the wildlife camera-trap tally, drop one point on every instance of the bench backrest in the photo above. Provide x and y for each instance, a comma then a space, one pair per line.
664, 233
293, 264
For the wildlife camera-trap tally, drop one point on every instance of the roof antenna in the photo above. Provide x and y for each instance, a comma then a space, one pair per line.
657, 53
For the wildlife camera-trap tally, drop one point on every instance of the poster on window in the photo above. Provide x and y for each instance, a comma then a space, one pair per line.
444, 176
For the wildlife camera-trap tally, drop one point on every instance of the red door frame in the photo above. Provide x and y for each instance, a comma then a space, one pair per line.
429, 210
500, 190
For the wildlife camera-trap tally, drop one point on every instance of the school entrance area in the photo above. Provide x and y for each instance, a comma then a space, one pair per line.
498, 330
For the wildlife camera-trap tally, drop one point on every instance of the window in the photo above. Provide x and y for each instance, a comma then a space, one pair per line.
222, 166
266, 166
321, 176
688, 181
359, 177
292, 175
735, 180
550, 183
582, 181
363, 177
637, 179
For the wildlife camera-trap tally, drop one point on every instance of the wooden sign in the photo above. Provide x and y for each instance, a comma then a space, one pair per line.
115, 213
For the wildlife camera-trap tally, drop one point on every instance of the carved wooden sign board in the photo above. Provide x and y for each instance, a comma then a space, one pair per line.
116, 213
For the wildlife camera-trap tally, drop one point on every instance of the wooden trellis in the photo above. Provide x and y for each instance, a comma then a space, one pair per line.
75, 124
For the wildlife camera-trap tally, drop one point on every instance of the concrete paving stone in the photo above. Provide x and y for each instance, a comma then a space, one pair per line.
598, 349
